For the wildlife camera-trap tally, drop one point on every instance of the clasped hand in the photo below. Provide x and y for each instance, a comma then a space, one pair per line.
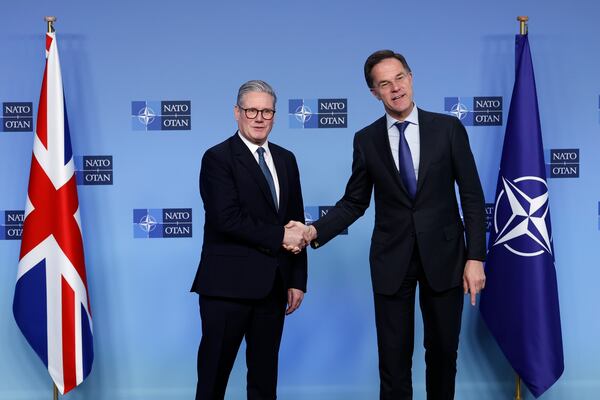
297, 236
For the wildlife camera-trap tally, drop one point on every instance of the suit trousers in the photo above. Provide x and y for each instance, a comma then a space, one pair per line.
394, 318
225, 322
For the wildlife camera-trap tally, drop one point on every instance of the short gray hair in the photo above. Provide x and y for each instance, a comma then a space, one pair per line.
255, 86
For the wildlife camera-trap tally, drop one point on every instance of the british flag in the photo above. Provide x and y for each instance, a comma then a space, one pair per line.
51, 303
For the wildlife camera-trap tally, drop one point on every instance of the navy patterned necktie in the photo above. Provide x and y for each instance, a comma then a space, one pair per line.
405, 163
267, 173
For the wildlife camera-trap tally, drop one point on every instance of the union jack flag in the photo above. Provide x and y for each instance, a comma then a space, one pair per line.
51, 303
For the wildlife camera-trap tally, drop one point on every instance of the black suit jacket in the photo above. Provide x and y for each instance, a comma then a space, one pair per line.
243, 231
432, 220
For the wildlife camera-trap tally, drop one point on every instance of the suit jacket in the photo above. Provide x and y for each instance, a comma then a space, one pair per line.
432, 220
243, 230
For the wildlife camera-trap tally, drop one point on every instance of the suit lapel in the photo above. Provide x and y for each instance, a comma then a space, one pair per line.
243, 155
383, 142
427, 145
282, 177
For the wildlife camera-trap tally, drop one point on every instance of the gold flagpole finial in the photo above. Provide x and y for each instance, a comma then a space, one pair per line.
50, 20
518, 389
523, 24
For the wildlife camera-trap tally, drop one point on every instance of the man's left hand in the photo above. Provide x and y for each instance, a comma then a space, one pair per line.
294, 299
473, 279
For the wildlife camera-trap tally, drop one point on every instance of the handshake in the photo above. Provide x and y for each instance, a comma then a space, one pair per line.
297, 236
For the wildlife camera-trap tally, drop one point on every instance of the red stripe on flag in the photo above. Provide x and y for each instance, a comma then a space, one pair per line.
68, 336
42, 117
48, 42
53, 215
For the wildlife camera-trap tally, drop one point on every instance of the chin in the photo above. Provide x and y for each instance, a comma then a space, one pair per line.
259, 139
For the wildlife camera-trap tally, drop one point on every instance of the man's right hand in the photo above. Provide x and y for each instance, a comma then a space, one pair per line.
309, 233
293, 238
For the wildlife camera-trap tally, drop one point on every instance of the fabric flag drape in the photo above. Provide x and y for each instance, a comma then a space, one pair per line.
51, 303
520, 301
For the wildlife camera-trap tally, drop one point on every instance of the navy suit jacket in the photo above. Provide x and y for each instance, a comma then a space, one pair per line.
431, 221
243, 230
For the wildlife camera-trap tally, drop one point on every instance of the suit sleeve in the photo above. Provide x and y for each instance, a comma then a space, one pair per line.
224, 211
299, 275
352, 205
470, 191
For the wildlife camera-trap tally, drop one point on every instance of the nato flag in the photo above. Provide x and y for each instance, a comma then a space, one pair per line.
520, 300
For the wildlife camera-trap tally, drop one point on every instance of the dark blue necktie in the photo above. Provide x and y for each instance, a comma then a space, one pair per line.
405, 163
267, 174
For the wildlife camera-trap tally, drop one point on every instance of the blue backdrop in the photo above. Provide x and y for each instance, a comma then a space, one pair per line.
146, 324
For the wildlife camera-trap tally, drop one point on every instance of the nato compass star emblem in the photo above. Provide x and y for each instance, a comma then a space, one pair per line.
459, 110
303, 113
521, 217
148, 223
146, 116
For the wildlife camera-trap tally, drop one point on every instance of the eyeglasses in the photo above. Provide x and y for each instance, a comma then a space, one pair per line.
252, 113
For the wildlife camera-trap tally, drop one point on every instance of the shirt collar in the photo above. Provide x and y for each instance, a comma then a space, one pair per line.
413, 117
252, 146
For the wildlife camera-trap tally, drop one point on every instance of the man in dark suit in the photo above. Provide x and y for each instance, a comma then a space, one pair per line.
413, 159
250, 188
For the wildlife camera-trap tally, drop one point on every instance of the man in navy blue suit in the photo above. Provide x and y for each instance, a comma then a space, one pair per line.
413, 159
250, 188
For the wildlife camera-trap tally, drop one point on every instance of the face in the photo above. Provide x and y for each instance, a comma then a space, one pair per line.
257, 129
392, 84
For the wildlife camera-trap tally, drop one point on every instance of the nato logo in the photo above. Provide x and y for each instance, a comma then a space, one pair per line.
12, 224
564, 163
162, 223
313, 213
489, 216
17, 117
522, 218
475, 111
94, 170
161, 115
318, 113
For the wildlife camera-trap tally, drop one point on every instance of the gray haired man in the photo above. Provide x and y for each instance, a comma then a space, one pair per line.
247, 280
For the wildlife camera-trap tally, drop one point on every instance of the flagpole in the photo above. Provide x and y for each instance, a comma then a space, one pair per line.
523, 24
50, 20
522, 31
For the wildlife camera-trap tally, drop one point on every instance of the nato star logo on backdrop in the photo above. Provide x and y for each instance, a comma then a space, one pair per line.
317, 113
17, 117
11, 227
475, 111
521, 218
166, 115
162, 223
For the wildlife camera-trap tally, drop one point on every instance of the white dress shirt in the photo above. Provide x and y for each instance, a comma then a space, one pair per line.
412, 137
268, 159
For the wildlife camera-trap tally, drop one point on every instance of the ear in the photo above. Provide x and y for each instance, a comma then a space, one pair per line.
236, 112
375, 93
